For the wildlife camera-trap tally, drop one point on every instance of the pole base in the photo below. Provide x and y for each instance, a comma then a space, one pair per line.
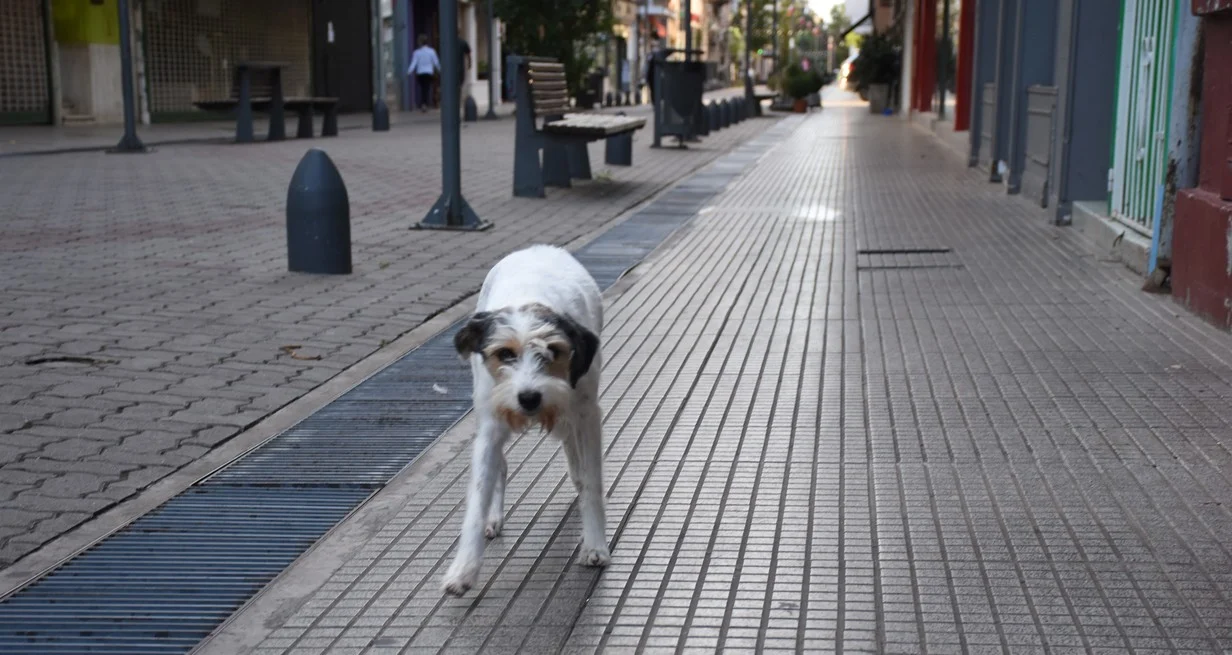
380, 116
445, 216
129, 144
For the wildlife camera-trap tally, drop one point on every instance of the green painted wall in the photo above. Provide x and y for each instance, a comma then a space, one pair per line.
80, 22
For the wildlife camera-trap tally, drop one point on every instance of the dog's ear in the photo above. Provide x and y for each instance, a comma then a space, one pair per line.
470, 339
585, 345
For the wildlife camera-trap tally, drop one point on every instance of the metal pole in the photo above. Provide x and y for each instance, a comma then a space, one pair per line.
748, 56
775, 39
688, 30
943, 57
493, 64
380, 112
643, 47
129, 142
451, 211
401, 61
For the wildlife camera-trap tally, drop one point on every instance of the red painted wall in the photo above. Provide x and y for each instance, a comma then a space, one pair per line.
1202, 232
924, 62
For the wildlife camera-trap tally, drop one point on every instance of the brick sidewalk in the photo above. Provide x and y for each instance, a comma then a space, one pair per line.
1004, 448
170, 268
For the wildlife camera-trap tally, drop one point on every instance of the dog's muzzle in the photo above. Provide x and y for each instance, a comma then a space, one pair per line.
530, 401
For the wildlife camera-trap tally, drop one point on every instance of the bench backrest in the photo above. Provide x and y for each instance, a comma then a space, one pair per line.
260, 80
549, 93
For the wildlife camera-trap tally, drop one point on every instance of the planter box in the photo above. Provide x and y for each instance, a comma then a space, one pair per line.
878, 98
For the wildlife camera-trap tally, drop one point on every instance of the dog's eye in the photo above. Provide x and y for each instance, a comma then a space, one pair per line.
506, 355
555, 351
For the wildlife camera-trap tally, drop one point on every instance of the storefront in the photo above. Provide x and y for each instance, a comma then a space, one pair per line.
25, 89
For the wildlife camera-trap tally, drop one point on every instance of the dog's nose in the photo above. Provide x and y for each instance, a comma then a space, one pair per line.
530, 400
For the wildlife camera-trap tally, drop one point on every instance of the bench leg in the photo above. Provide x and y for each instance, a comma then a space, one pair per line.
527, 171
619, 150
304, 129
277, 115
579, 160
243, 113
556, 165
330, 126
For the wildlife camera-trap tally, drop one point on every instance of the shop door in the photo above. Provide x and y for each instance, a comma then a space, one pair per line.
342, 53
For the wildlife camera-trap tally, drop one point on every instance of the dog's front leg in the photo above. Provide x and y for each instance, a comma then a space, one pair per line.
485, 467
588, 468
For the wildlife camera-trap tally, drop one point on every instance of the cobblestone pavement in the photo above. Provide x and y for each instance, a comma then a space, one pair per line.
170, 270
1002, 448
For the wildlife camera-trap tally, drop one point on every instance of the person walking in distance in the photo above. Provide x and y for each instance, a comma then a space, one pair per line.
424, 66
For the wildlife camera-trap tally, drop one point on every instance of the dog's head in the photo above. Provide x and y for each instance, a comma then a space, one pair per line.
535, 357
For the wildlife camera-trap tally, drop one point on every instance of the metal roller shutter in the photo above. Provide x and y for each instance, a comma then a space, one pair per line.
191, 47
24, 89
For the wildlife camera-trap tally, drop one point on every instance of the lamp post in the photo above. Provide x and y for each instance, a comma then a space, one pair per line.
451, 211
688, 30
774, 30
380, 112
493, 63
129, 143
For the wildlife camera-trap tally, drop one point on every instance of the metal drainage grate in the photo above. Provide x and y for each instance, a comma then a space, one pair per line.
167, 580
868, 259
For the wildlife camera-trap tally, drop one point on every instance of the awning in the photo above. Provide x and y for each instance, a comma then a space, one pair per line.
855, 25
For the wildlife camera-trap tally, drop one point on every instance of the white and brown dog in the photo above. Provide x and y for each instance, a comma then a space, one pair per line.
534, 349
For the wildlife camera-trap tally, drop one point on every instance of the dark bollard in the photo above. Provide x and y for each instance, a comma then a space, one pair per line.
619, 148
318, 218
607, 100
712, 117
470, 111
742, 110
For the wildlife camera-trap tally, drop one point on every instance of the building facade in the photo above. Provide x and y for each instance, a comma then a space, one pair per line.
1109, 114
60, 59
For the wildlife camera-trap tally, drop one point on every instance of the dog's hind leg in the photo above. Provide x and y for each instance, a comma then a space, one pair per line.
486, 466
496, 509
586, 468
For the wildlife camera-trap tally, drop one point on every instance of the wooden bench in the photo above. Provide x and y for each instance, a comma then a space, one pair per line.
545, 123
257, 86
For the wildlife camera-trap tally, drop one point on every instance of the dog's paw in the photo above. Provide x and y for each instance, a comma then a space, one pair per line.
492, 529
594, 556
461, 578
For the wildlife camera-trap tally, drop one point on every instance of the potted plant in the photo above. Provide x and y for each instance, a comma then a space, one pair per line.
800, 84
875, 70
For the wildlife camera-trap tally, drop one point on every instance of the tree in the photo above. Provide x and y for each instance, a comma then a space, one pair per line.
735, 43
839, 23
556, 28
763, 23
